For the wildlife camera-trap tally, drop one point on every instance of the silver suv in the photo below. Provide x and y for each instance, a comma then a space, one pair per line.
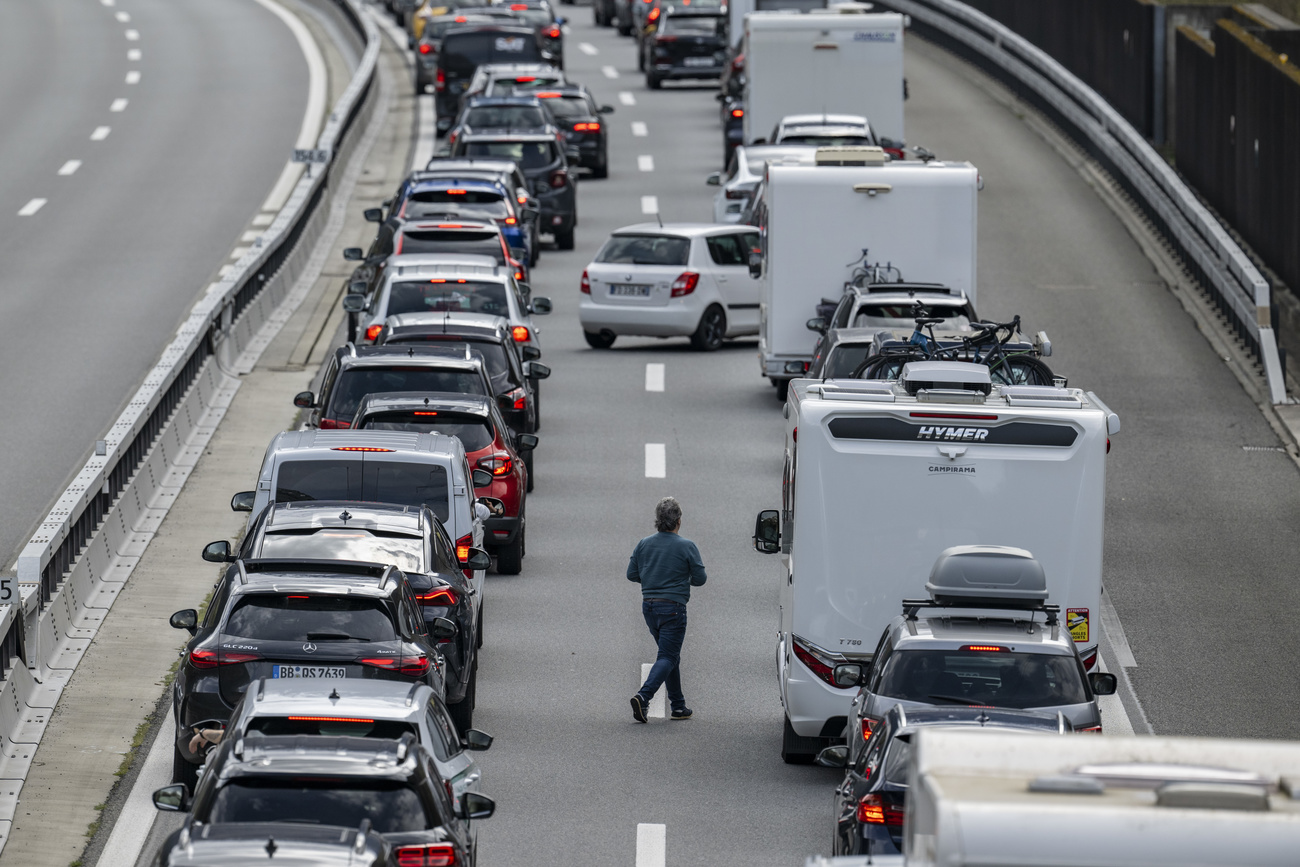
987, 637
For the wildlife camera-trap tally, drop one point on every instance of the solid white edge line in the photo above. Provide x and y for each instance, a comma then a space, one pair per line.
654, 376
100, 133
138, 813
1115, 632
1114, 716
70, 167
639, 129
651, 845
626, 97
649, 204
655, 709
31, 207
645, 163
656, 461
314, 114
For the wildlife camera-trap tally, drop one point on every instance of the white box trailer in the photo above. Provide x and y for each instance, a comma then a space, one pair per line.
881, 476
833, 61
817, 221
991, 798
738, 9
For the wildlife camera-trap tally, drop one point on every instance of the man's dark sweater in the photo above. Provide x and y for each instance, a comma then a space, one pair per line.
666, 566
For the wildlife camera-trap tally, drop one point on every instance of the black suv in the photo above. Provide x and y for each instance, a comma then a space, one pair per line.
465, 48
586, 140
314, 780
542, 160
275, 843
409, 537
317, 619
684, 44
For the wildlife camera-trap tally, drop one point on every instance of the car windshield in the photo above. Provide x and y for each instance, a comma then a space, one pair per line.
451, 241
392, 808
827, 141
374, 480
568, 107
451, 294
507, 116
995, 678
404, 552
886, 315
462, 53
844, 359
456, 201
331, 727
309, 617
474, 432
692, 26
527, 154
645, 250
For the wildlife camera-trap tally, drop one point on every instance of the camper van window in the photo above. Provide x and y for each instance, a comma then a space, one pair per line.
1001, 679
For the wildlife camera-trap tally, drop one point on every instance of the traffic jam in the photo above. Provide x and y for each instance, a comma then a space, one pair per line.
953, 680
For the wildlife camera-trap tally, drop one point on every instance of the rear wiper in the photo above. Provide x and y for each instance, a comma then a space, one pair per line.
334, 636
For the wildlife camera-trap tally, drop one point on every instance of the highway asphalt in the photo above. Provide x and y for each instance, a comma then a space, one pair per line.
192, 134
1199, 526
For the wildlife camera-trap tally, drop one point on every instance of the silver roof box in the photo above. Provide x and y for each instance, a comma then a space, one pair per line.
956, 376
987, 574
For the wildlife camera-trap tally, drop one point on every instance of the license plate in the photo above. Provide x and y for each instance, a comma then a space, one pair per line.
308, 672
633, 290
698, 61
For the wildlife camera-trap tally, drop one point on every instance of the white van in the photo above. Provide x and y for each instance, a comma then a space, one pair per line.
824, 226
993, 798
881, 476
841, 60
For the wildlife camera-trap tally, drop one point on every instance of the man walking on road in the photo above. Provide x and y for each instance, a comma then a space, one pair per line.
666, 566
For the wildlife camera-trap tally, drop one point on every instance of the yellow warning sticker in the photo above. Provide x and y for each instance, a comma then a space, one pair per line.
1076, 620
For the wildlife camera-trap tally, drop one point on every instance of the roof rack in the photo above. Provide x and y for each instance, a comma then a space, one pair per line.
912, 606
381, 571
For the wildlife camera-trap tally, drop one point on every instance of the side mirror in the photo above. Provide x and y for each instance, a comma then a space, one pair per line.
304, 399
714, 179
526, 442
373, 215
476, 806
441, 627
172, 799
756, 263
473, 739
187, 619
817, 324
849, 674
243, 501
767, 532
218, 552
530, 353
358, 287
353, 254
541, 305
354, 302
519, 254
536, 370
1103, 683
481, 478
493, 505
607, 109
478, 559
834, 757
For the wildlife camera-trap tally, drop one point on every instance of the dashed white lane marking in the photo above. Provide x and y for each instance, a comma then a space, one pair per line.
133, 77
656, 461
239, 253
639, 129
70, 167
224, 270
655, 708
100, 133
107, 2
132, 35
118, 105
626, 97
588, 49
645, 163
649, 204
31, 207
123, 17
609, 72
654, 377
264, 219
250, 236
651, 845
134, 54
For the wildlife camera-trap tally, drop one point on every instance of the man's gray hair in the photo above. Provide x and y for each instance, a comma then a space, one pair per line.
668, 514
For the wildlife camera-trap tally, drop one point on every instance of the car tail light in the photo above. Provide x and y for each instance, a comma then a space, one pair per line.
654, 14
685, 284
334, 424
431, 855
201, 658
896, 153
426, 48
738, 63
554, 33
869, 725
389, 662
586, 127
525, 79
823, 668
872, 810
985, 648
463, 544
373, 331
359, 449
498, 465
737, 112
416, 667
440, 597
519, 275
559, 178
519, 333
440, 83
1091, 730
585, 286
1090, 659
735, 194
515, 399
451, 139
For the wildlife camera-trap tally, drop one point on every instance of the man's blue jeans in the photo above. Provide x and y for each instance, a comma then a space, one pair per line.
667, 622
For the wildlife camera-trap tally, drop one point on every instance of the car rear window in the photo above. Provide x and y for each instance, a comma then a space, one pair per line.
827, 141
844, 359
884, 314
404, 552
443, 241
357, 382
568, 107
463, 52
996, 678
474, 432
455, 201
404, 483
392, 808
338, 727
645, 250
508, 116
527, 154
494, 354
693, 26
454, 295
309, 617
522, 83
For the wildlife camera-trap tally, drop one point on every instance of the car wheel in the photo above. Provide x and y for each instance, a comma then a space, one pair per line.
462, 712
796, 749
528, 465
600, 339
478, 638
624, 29
640, 58
537, 407
712, 328
601, 169
782, 389
183, 771
652, 81
564, 238
510, 558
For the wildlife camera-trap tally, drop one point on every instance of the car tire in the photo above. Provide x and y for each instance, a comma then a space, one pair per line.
600, 339
601, 169
652, 81
184, 771
528, 465
711, 330
624, 29
510, 558
478, 636
796, 749
782, 389
640, 58
462, 712
564, 237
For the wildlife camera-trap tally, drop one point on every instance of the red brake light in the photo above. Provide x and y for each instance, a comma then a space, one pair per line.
585, 286
373, 331
379, 661
558, 178
440, 83
463, 544
432, 855
518, 7
737, 112
519, 333
200, 658
654, 14
586, 127
510, 221
444, 597
815, 665
455, 192
417, 667
546, 94
1089, 730
461, 19
872, 810
868, 726
344, 719
334, 424
524, 79
685, 284
451, 225
986, 648
516, 399
554, 33
359, 449
423, 412
426, 48
499, 465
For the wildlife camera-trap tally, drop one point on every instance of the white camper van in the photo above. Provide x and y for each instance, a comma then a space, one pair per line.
881, 476
841, 60
994, 798
738, 9
821, 225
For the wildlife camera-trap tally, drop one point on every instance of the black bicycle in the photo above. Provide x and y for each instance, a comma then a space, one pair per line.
987, 346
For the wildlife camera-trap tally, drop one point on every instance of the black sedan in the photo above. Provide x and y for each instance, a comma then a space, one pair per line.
586, 138
542, 160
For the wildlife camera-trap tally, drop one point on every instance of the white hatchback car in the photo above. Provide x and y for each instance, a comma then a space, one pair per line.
674, 280
744, 172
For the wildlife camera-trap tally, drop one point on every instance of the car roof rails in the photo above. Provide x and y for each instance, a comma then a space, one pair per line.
262, 565
908, 286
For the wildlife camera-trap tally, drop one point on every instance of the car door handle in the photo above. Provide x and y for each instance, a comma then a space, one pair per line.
720, 278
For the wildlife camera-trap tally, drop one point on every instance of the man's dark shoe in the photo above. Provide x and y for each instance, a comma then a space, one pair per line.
684, 713
638, 709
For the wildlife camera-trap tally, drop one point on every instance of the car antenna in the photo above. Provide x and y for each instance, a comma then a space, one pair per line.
659, 218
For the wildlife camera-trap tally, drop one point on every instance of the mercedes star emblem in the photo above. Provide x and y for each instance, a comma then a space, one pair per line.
309, 648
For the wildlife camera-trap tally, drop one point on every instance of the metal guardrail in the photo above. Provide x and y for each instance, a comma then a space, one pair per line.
1239, 290
71, 569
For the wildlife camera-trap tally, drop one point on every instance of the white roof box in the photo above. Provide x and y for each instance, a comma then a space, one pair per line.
850, 155
946, 376
987, 574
